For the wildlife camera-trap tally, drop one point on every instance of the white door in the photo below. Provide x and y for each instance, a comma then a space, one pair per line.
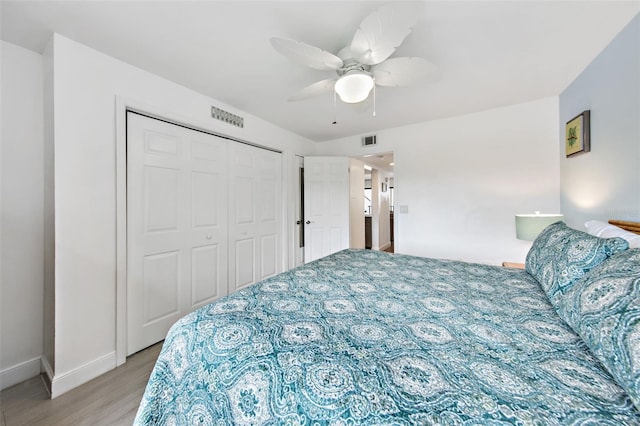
326, 206
176, 225
255, 215
298, 238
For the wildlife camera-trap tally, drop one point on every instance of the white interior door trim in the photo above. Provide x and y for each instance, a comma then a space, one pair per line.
122, 105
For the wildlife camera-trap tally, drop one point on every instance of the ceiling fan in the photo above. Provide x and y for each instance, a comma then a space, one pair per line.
365, 62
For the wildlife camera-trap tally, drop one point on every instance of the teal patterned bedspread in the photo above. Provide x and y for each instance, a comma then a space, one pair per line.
371, 338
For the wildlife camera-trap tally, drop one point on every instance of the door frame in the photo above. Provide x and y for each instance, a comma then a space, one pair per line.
298, 195
395, 180
122, 105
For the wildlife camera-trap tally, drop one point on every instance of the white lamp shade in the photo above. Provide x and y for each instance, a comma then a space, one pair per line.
529, 226
354, 87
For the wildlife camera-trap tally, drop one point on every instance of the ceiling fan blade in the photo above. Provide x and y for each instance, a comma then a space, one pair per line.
316, 89
306, 54
384, 30
397, 72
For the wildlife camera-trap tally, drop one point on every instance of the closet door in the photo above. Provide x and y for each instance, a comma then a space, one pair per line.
255, 215
176, 225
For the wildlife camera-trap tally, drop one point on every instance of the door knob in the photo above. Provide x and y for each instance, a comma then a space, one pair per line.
308, 222
298, 222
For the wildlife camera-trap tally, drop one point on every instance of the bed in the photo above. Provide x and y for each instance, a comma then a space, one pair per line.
367, 337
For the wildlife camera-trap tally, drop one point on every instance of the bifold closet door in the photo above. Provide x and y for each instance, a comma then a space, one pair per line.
255, 215
177, 236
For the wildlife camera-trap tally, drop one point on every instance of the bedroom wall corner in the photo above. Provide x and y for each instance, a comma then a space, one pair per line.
21, 283
48, 354
605, 183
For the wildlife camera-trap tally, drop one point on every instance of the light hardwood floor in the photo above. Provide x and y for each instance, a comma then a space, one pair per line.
111, 399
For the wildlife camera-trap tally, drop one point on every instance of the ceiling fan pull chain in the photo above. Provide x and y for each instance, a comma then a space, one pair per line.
335, 109
374, 97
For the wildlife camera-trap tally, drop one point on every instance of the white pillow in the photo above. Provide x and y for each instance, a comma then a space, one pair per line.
607, 230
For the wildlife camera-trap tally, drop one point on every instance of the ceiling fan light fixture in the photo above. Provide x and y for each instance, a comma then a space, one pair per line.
354, 87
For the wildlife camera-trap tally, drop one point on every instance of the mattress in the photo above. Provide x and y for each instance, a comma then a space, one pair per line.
367, 337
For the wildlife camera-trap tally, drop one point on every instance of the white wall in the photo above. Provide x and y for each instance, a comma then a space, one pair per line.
605, 183
356, 201
21, 283
85, 85
464, 178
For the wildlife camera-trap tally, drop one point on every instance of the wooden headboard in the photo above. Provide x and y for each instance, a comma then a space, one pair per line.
626, 225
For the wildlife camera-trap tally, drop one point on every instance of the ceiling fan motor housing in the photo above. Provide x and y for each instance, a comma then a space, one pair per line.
349, 63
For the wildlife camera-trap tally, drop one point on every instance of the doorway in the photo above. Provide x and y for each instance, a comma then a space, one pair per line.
372, 188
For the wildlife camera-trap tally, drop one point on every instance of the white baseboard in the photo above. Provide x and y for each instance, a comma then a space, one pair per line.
45, 367
19, 373
64, 382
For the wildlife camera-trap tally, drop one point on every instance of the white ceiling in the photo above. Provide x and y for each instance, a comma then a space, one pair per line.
489, 53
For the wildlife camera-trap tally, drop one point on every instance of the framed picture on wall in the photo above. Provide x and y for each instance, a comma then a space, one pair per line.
577, 134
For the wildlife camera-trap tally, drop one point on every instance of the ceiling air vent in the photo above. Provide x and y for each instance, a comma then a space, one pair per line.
227, 117
369, 140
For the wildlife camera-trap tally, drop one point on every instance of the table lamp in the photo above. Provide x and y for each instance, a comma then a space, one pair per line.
528, 226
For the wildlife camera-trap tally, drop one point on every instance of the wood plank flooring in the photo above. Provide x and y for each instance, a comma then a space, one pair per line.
111, 399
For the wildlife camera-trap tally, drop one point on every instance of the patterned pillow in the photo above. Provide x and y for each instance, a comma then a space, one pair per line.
604, 309
561, 255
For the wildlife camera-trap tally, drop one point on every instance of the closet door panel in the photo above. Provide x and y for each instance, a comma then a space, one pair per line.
176, 225
255, 229
206, 272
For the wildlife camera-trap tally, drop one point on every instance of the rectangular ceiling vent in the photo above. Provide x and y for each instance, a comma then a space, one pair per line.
369, 140
227, 117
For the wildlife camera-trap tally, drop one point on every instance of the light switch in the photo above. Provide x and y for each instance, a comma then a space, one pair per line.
403, 209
